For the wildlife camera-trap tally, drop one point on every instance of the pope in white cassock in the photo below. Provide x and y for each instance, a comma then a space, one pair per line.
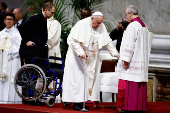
85, 40
10, 40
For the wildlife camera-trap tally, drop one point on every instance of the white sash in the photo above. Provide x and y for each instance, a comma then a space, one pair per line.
92, 60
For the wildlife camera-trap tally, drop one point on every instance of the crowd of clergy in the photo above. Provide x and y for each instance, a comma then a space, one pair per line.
81, 79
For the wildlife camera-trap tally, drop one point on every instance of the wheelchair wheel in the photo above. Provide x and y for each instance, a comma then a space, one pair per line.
50, 101
30, 82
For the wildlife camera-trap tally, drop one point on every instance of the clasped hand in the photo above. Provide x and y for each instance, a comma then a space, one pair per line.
29, 43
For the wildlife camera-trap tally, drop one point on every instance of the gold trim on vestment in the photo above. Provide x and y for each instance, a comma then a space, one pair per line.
3, 47
90, 92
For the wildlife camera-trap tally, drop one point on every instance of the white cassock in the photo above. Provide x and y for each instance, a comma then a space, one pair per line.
10, 63
84, 39
135, 48
54, 33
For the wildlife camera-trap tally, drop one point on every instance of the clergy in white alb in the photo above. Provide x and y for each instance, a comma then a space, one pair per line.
54, 34
132, 67
85, 41
10, 40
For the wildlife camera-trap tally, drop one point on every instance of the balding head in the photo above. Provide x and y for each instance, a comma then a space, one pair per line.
85, 12
9, 10
18, 14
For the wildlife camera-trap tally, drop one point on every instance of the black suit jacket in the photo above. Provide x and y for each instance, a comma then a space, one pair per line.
35, 30
117, 35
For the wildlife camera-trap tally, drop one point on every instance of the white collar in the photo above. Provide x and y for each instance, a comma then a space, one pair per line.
19, 22
8, 30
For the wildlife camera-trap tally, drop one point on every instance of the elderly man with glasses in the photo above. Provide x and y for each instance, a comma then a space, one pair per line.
132, 67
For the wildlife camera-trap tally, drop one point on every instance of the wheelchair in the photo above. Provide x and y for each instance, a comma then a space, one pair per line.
32, 81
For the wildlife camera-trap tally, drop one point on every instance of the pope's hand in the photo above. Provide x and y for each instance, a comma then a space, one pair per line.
83, 56
29, 43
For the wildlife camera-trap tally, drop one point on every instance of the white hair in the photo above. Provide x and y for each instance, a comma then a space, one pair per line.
132, 9
95, 16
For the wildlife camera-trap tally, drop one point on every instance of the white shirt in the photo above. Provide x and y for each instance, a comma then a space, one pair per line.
19, 22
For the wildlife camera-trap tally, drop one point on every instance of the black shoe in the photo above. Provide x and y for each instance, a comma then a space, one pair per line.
67, 103
77, 106
85, 106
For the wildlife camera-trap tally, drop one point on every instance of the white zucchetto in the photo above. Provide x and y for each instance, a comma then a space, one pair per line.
97, 13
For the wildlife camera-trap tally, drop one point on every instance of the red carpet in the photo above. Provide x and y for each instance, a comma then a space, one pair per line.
153, 107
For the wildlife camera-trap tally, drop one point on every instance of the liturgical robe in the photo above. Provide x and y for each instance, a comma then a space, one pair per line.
83, 39
135, 49
54, 33
9, 66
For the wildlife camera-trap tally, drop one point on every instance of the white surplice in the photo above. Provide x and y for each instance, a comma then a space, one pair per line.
135, 49
10, 63
54, 33
83, 39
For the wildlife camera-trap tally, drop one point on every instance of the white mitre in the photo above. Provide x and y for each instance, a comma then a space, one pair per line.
97, 13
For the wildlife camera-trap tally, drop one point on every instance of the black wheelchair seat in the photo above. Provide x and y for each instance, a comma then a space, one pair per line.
58, 72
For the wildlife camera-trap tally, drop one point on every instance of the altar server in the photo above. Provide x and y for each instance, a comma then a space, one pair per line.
10, 41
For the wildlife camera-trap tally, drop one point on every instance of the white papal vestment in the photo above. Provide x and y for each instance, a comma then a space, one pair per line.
135, 48
54, 33
10, 63
84, 39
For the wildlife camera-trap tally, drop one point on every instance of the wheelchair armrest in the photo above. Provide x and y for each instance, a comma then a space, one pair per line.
41, 59
55, 58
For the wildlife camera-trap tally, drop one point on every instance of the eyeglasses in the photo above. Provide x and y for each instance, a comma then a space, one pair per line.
9, 19
126, 15
52, 12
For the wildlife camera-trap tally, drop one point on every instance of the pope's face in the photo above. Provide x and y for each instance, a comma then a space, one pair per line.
96, 22
9, 21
